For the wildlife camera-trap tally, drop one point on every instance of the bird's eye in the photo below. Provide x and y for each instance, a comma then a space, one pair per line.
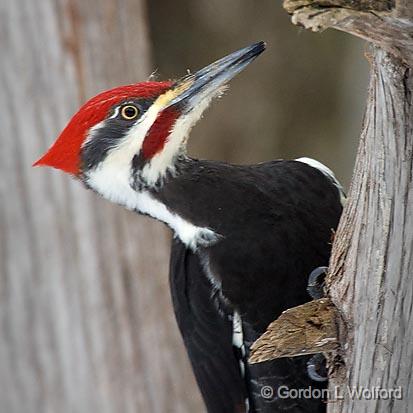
129, 112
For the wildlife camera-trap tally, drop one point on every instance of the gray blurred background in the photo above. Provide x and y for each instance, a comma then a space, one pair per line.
304, 96
86, 322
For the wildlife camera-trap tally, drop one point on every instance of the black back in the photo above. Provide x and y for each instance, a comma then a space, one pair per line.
276, 221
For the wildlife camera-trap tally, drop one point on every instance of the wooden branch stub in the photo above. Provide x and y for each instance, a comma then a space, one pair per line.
361, 5
318, 15
382, 22
306, 329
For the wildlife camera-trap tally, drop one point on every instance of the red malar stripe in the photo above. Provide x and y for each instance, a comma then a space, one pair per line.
158, 133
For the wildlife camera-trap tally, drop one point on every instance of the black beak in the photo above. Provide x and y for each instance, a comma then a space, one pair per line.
208, 81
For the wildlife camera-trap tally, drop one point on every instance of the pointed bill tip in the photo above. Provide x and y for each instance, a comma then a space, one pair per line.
190, 89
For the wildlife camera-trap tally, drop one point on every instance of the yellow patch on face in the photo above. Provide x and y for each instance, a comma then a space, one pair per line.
164, 99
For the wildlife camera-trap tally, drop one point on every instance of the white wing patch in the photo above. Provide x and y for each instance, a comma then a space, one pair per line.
327, 172
238, 338
318, 165
238, 341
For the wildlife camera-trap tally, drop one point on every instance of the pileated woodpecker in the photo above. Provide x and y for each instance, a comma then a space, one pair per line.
246, 237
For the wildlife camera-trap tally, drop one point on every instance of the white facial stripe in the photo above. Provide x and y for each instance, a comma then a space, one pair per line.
119, 159
158, 166
115, 113
112, 178
131, 144
92, 132
137, 132
112, 182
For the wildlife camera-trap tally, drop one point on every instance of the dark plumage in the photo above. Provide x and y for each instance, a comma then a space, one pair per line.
276, 221
249, 235
207, 333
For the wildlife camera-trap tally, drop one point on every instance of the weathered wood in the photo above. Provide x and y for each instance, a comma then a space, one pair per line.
380, 22
310, 328
86, 323
372, 262
292, 6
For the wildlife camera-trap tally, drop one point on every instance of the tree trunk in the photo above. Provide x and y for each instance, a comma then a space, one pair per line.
372, 262
85, 315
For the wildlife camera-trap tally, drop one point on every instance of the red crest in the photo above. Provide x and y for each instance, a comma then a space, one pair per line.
64, 154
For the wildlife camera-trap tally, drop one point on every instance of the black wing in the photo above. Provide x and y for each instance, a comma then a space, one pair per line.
207, 334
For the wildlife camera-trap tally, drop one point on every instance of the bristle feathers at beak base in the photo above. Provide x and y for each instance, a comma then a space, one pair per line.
192, 87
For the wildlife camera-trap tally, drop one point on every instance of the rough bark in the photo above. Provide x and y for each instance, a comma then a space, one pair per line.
369, 279
86, 323
372, 262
